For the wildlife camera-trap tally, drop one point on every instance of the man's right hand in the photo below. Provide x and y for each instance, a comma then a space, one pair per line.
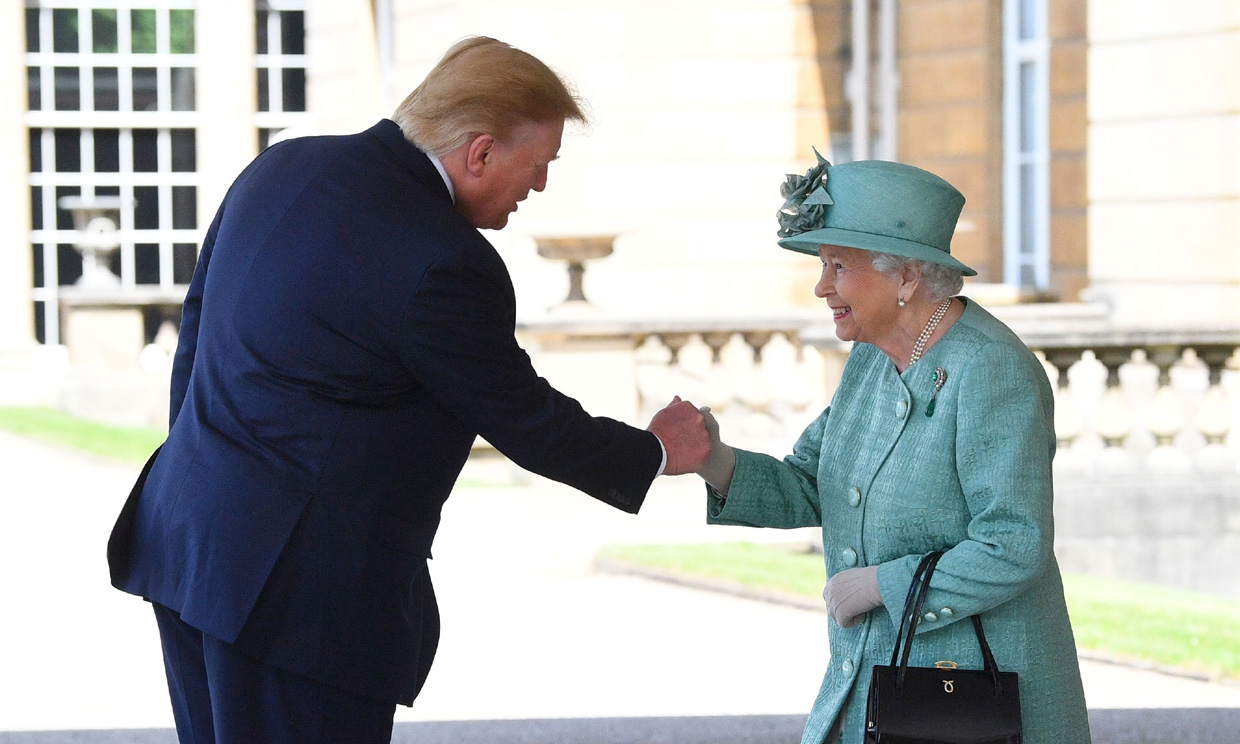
681, 428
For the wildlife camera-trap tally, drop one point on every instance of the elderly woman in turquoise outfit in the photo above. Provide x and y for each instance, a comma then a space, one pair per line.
939, 437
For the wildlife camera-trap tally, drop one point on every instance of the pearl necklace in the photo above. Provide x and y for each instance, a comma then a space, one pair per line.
928, 331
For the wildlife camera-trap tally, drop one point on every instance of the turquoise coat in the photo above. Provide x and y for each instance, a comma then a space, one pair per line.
888, 483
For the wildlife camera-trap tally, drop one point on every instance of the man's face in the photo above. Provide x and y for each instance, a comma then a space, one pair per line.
514, 167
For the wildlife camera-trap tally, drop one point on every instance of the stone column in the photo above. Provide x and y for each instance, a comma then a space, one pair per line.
227, 98
344, 92
1164, 160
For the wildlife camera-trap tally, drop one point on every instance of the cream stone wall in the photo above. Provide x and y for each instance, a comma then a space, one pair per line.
343, 82
224, 42
695, 121
1164, 159
16, 305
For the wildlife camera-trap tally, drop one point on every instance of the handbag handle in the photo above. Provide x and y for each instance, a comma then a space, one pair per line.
913, 605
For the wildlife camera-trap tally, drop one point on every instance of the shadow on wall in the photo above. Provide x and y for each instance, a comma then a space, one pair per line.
1113, 726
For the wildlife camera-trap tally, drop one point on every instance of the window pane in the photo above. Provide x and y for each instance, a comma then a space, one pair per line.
32, 29
34, 89
146, 263
264, 97
184, 258
184, 207
68, 263
293, 32
145, 90
260, 31
103, 28
107, 89
181, 31
182, 89
1027, 110
107, 150
1028, 179
145, 151
184, 150
68, 150
38, 263
1030, 28
68, 88
65, 30
294, 89
64, 219
36, 150
36, 207
142, 24
40, 323
146, 211
107, 191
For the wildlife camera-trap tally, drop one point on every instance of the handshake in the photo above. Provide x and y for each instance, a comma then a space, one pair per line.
690, 436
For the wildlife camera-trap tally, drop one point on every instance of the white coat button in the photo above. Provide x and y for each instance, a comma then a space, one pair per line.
930, 617
849, 556
847, 666
946, 612
854, 496
901, 408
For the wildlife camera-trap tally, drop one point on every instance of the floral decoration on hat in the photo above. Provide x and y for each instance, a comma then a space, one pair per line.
805, 200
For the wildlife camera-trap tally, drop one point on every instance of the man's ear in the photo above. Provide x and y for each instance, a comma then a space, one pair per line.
478, 153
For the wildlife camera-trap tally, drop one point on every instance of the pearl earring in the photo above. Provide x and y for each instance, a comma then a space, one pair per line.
900, 303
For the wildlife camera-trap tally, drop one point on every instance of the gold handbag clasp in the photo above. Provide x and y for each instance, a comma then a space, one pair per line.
945, 664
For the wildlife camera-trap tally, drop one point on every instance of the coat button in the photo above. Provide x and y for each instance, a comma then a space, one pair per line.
930, 617
946, 612
901, 408
849, 556
847, 666
854, 496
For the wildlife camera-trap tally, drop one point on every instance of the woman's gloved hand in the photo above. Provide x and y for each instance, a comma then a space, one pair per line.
721, 462
851, 593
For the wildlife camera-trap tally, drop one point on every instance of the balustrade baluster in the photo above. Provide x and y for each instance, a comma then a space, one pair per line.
1214, 415
1166, 419
1067, 413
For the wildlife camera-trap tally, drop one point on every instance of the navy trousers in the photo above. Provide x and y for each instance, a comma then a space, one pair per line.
221, 696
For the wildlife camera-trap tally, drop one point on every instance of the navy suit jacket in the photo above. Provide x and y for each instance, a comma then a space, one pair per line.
346, 335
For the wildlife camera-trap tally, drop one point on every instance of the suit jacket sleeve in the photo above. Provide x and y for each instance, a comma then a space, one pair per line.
191, 311
459, 342
766, 492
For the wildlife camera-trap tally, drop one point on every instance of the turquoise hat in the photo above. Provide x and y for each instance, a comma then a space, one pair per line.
874, 205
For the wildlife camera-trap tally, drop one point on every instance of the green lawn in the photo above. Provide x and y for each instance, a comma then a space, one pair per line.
48, 425
1166, 627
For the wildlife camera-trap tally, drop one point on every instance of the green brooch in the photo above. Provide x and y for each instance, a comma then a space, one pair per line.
940, 378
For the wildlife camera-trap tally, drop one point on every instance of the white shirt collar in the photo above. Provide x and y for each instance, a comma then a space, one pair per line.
443, 174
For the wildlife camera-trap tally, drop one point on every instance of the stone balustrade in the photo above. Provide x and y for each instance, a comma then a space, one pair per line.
1127, 399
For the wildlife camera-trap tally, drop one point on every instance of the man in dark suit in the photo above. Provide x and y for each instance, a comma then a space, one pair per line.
346, 335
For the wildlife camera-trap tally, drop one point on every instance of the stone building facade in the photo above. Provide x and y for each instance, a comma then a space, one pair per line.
1095, 140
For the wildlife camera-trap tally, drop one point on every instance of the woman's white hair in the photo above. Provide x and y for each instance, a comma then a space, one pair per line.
940, 281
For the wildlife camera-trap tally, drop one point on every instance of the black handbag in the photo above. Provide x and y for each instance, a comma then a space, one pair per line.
940, 704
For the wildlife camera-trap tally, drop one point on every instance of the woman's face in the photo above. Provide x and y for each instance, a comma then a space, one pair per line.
862, 299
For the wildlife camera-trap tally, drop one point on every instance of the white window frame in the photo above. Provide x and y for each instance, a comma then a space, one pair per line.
87, 120
275, 119
1026, 251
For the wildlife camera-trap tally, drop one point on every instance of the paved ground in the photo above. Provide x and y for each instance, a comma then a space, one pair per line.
531, 630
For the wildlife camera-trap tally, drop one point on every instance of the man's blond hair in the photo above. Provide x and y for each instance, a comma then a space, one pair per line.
482, 85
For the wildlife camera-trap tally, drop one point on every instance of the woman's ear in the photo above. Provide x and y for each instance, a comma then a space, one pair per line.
910, 280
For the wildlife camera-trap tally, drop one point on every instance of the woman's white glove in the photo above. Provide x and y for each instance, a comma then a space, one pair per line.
721, 462
851, 593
